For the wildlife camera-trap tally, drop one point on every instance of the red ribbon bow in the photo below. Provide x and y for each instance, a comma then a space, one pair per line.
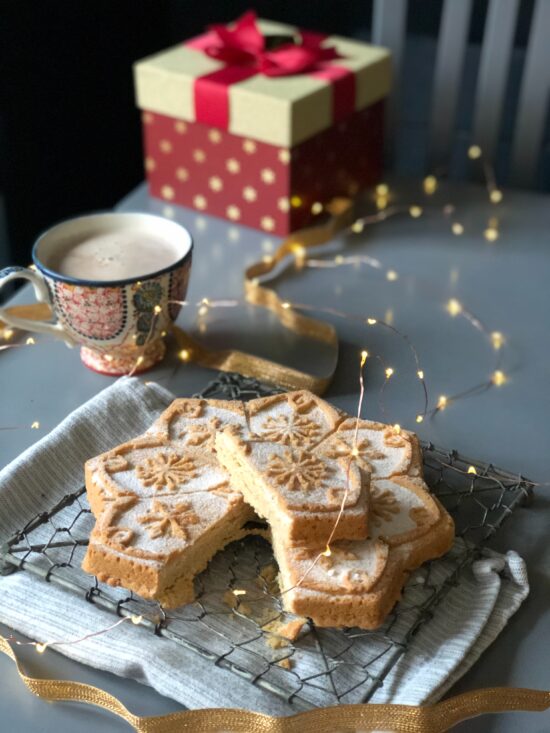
244, 45
244, 51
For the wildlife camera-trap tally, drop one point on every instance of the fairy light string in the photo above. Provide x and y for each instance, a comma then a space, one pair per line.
299, 255
454, 307
339, 211
354, 450
327, 552
40, 647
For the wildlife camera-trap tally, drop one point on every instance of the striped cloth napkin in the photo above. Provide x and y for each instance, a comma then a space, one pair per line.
469, 618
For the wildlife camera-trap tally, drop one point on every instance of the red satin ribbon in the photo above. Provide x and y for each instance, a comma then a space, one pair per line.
243, 50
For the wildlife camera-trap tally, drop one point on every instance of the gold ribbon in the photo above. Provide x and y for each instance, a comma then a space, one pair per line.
339, 216
396, 718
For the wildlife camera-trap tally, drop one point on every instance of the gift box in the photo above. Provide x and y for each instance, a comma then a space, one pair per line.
262, 123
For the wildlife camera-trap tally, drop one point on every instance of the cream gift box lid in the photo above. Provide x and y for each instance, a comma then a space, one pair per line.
282, 110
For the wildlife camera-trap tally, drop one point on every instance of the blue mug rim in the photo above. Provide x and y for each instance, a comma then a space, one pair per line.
53, 275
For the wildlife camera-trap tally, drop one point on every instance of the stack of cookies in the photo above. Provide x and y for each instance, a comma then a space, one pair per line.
166, 502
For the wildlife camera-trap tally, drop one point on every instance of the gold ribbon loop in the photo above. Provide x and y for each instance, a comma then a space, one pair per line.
248, 365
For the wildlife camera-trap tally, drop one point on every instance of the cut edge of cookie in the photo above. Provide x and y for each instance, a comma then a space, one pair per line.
294, 525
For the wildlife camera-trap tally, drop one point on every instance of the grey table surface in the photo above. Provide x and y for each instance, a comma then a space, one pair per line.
505, 283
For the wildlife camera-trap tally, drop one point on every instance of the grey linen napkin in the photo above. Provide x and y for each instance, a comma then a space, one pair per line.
465, 623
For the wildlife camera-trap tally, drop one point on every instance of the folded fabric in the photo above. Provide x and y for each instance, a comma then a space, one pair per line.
469, 618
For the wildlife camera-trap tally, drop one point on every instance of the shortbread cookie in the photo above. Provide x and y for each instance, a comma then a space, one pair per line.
293, 419
164, 505
302, 458
187, 423
194, 422
298, 490
358, 583
152, 466
156, 546
380, 450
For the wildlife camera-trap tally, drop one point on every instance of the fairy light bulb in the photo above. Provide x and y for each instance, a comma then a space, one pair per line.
419, 419
364, 357
316, 208
30, 341
457, 228
184, 354
35, 425
415, 211
371, 321
382, 189
397, 429
299, 252
203, 310
295, 202
454, 307
285, 305
140, 360
109, 357
491, 234
498, 378
430, 185
355, 451
136, 619
157, 310
357, 227
472, 470
40, 648
381, 202
420, 374
497, 340
474, 152
495, 196
327, 552
7, 333
391, 275
442, 402
239, 592
338, 260
389, 372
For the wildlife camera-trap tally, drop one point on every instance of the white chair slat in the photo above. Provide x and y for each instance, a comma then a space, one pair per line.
533, 99
451, 47
496, 54
389, 19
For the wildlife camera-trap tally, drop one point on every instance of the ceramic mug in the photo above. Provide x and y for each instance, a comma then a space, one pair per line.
118, 324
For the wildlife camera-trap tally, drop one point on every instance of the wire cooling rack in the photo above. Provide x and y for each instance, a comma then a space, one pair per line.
240, 631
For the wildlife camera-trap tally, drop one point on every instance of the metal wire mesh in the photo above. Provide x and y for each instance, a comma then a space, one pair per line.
239, 631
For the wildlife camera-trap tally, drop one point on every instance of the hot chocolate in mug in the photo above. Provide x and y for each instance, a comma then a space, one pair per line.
113, 283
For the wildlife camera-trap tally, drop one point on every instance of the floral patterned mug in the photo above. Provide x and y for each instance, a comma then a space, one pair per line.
120, 325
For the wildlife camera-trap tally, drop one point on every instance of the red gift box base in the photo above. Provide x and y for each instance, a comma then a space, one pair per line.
258, 184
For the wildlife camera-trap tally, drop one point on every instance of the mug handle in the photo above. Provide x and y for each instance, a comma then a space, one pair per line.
42, 295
